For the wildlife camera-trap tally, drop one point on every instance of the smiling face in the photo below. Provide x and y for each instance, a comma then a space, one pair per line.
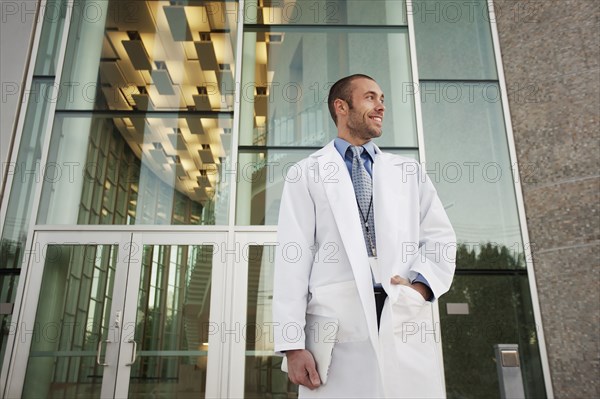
360, 119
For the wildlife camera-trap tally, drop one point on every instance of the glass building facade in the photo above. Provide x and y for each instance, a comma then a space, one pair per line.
139, 217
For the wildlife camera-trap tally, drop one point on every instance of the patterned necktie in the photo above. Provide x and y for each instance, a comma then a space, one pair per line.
363, 189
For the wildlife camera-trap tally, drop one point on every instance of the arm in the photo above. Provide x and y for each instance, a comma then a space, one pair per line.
419, 284
293, 263
435, 262
422, 286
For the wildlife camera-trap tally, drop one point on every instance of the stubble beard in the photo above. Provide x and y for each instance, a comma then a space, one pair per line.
359, 128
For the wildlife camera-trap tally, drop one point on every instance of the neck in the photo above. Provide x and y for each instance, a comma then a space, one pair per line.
357, 141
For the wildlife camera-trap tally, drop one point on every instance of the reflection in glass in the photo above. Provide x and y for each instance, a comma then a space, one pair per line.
171, 328
454, 39
329, 12
25, 175
137, 170
20, 202
261, 177
8, 292
53, 14
157, 78
151, 55
468, 161
72, 317
499, 312
287, 74
263, 377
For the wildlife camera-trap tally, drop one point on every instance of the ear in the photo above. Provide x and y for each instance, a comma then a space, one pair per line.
341, 106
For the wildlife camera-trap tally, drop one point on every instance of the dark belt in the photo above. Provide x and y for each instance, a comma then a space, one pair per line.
380, 296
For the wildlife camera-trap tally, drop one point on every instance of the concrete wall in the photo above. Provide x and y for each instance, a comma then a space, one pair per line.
550, 54
16, 30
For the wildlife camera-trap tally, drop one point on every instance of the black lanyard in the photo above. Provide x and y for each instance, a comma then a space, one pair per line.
366, 224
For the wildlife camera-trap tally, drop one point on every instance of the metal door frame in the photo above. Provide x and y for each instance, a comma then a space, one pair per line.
237, 366
126, 283
26, 314
218, 300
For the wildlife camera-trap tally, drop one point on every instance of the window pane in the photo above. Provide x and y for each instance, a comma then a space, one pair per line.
150, 55
131, 169
468, 162
496, 309
284, 89
75, 303
454, 40
8, 290
262, 174
413, 154
330, 12
172, 324
26, 173
53, 14
263, 377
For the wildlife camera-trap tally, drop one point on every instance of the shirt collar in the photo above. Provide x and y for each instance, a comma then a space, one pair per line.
342, 145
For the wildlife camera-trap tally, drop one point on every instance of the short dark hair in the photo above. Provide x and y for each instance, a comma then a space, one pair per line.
342, 89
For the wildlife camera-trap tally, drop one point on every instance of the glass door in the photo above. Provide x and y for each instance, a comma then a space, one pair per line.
71, 316
109, 314
170, 321
255, 369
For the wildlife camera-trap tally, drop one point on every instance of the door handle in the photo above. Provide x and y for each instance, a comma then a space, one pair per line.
133, 353
98, 361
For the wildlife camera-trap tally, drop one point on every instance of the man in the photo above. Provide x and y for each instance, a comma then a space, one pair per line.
364, 239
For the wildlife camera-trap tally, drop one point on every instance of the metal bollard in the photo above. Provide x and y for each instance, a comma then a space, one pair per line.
508, 366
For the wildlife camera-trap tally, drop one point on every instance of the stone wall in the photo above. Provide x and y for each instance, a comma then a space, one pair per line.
550, 52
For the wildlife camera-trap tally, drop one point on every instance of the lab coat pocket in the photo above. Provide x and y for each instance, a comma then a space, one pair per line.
341, 301
409, 309
412, 296
416, 340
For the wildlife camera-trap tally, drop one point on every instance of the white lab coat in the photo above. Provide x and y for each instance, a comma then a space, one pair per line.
321, 267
